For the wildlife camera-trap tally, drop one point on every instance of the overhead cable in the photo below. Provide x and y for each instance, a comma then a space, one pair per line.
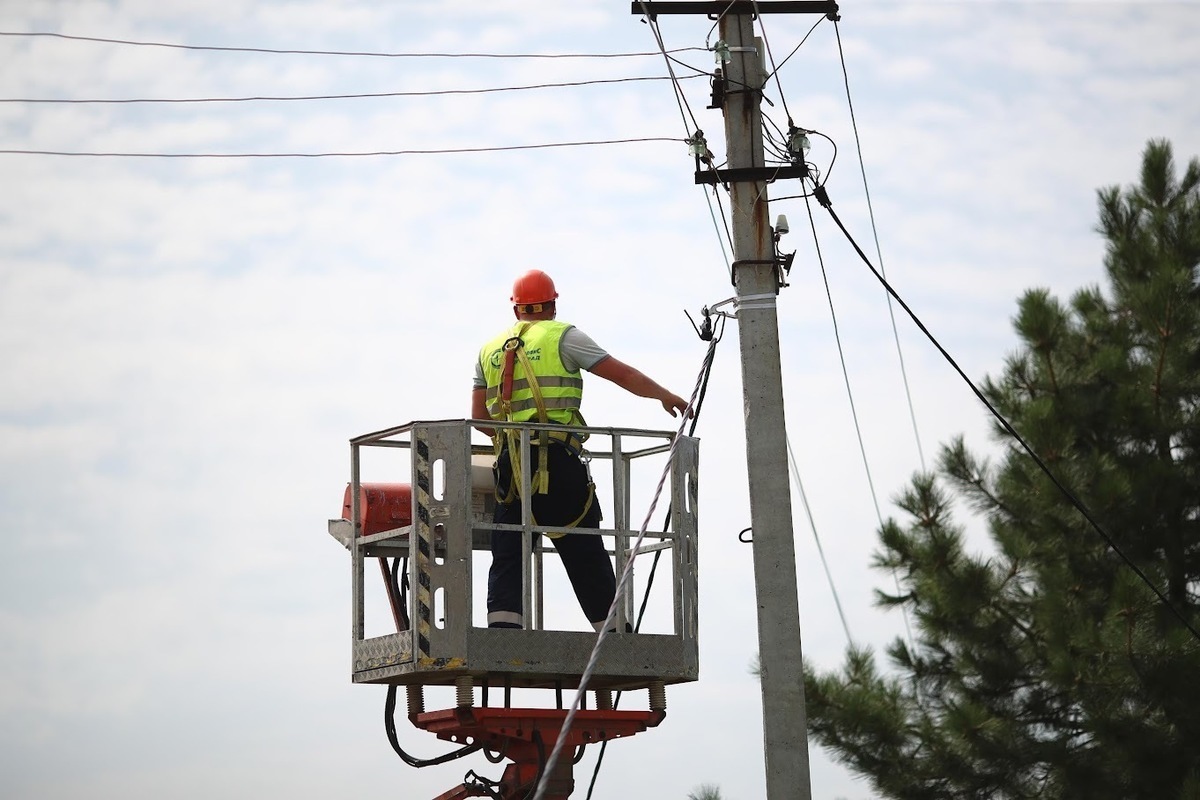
693, 130
680, 99
776, 67
837, 601
357, 96
762, 26
275, 51
823, 197
368, 154
706, 371
622, 581
862, 449
878, 251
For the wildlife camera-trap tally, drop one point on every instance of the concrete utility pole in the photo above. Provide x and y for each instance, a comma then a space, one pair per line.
757, 279
785, 722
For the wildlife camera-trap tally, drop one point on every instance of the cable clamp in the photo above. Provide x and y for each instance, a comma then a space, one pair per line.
765, 300
780, 264
707, 329
714, 308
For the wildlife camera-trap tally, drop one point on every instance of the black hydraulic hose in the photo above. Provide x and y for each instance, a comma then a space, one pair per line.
389, 725
400, 590
541, 748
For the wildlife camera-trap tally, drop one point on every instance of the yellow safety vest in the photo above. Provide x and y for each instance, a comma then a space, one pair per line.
561, 389
551, 394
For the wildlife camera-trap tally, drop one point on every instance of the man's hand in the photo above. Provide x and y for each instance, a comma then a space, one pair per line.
635, 382
673, 402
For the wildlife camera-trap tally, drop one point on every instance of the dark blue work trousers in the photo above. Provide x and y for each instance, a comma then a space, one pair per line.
583, 555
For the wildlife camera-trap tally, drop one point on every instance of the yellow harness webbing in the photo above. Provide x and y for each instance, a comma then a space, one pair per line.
514, 350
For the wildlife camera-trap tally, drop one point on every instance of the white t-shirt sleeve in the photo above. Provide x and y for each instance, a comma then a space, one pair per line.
479, 382
578, 351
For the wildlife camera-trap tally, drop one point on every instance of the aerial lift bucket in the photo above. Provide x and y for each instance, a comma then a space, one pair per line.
435, 522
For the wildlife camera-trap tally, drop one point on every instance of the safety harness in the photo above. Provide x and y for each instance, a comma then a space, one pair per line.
510, 438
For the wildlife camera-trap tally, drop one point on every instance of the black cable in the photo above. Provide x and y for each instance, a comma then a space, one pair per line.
818, 178
796, 49
823, 198
740, 84
762, 26
716, 24
778, 145
328, 52
500, 755
912, 413
724, 220
683, 63
389, 725
358, 96
370, 154
837, 337
476, 781
707, 370
685, 110
400, 588
862, 448
837, 600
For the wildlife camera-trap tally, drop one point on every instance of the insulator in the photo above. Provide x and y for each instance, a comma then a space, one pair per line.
604, 699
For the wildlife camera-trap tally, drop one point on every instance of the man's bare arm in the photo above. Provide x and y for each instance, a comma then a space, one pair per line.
479, 410
637, 382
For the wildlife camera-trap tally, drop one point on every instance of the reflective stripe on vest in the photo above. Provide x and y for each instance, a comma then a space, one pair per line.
562, 389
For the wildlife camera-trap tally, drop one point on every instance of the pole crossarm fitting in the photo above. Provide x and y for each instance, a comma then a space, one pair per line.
767, 174
778, 263
715, 9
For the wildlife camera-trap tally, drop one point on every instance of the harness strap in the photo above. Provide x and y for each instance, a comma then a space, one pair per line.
513, 492
541, 478
514, 351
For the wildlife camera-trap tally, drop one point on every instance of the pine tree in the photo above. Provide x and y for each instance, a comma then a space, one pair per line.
1049, 668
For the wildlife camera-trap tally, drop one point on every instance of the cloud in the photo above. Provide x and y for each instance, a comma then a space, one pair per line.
187, 345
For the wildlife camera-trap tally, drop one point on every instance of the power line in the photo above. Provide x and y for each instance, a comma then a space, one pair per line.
353, 53
796, 49
358, 96
622, 581
695, 137
878, 251
862, 449
837, 601
762, 26
680, 98
370, 154
823, 198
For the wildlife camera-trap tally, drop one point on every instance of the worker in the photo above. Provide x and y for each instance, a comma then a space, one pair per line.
530, 372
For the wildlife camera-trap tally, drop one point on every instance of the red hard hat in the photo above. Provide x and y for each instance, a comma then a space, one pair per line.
533, 287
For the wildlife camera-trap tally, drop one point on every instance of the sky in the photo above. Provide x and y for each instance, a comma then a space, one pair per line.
188, 343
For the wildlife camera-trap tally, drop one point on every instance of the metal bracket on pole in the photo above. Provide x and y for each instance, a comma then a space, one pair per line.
766, 174
718, 8
777, 263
